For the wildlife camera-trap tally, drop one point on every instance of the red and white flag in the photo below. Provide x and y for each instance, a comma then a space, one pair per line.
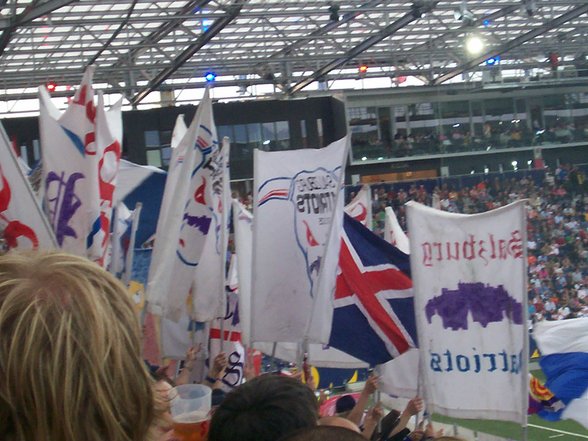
78, 192
393, 232
360, 207
22, 223
70, 187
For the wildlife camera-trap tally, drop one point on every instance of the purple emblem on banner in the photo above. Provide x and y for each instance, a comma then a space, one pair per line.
487, 304
65, 203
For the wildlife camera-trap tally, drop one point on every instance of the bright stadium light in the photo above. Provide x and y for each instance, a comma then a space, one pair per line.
474, 45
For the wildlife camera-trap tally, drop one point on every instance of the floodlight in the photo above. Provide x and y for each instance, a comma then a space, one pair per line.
210, 76
474, 45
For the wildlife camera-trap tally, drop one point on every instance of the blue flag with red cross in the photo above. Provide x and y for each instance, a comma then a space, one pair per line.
373, 317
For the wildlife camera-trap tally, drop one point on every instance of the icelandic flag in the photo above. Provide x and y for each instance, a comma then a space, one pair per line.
372, 304
564, 348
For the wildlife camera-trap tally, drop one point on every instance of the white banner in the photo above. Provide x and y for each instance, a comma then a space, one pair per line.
393, 232
108, 139
318, 355
183, 229
70, 167
209, 282
243, 225
360, 207
23, 225
295, 199
469, 278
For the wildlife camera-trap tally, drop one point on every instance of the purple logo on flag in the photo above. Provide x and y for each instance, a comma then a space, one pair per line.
198, 212
486, 303
63, 203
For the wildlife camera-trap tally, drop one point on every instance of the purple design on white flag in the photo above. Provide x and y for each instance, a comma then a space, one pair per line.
64, 204
486, 303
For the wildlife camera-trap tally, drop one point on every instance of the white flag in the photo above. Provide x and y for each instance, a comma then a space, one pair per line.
22, 223
181, 236
108, 140
174, 170
231, 344
70, 166
243, 227
360, 208
295, 198
393, 232
209, 283
318, 355
469, 278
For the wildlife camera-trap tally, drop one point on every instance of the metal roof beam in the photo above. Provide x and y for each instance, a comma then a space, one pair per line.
209, 34
405, 20
515, 42
164, 29
31, 13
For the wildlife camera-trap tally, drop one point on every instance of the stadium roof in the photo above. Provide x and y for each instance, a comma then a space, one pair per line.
140, 46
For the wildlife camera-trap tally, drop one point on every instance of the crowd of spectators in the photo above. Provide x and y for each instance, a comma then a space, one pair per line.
495, 135
557, 225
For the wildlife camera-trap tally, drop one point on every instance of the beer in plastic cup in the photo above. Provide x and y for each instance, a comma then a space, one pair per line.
191, 426
190, 409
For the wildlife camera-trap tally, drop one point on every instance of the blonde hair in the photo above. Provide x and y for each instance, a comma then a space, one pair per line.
70, 353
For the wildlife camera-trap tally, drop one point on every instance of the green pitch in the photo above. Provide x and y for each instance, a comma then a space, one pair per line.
538, 430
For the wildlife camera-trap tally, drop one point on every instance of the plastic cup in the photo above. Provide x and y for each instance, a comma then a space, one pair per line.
190, 409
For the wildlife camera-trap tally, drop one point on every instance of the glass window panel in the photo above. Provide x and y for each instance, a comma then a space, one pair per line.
579, 112
364, 127
36, 149
154, 158
303, 133
152, 138
240, 134
319, 124
254, 136
166, 155
283, 135
223, 131
165, 137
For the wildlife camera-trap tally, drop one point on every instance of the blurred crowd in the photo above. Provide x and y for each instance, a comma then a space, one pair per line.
556, 229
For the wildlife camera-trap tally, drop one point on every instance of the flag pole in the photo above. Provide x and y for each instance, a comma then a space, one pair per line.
130, 253
115, 244
226, 206
525, 358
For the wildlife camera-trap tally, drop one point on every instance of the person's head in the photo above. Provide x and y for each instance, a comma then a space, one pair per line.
337, 421
70, 353
324, 433
264, 409
344, 404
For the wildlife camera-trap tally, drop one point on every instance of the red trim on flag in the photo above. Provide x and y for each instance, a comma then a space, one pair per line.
229, 335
